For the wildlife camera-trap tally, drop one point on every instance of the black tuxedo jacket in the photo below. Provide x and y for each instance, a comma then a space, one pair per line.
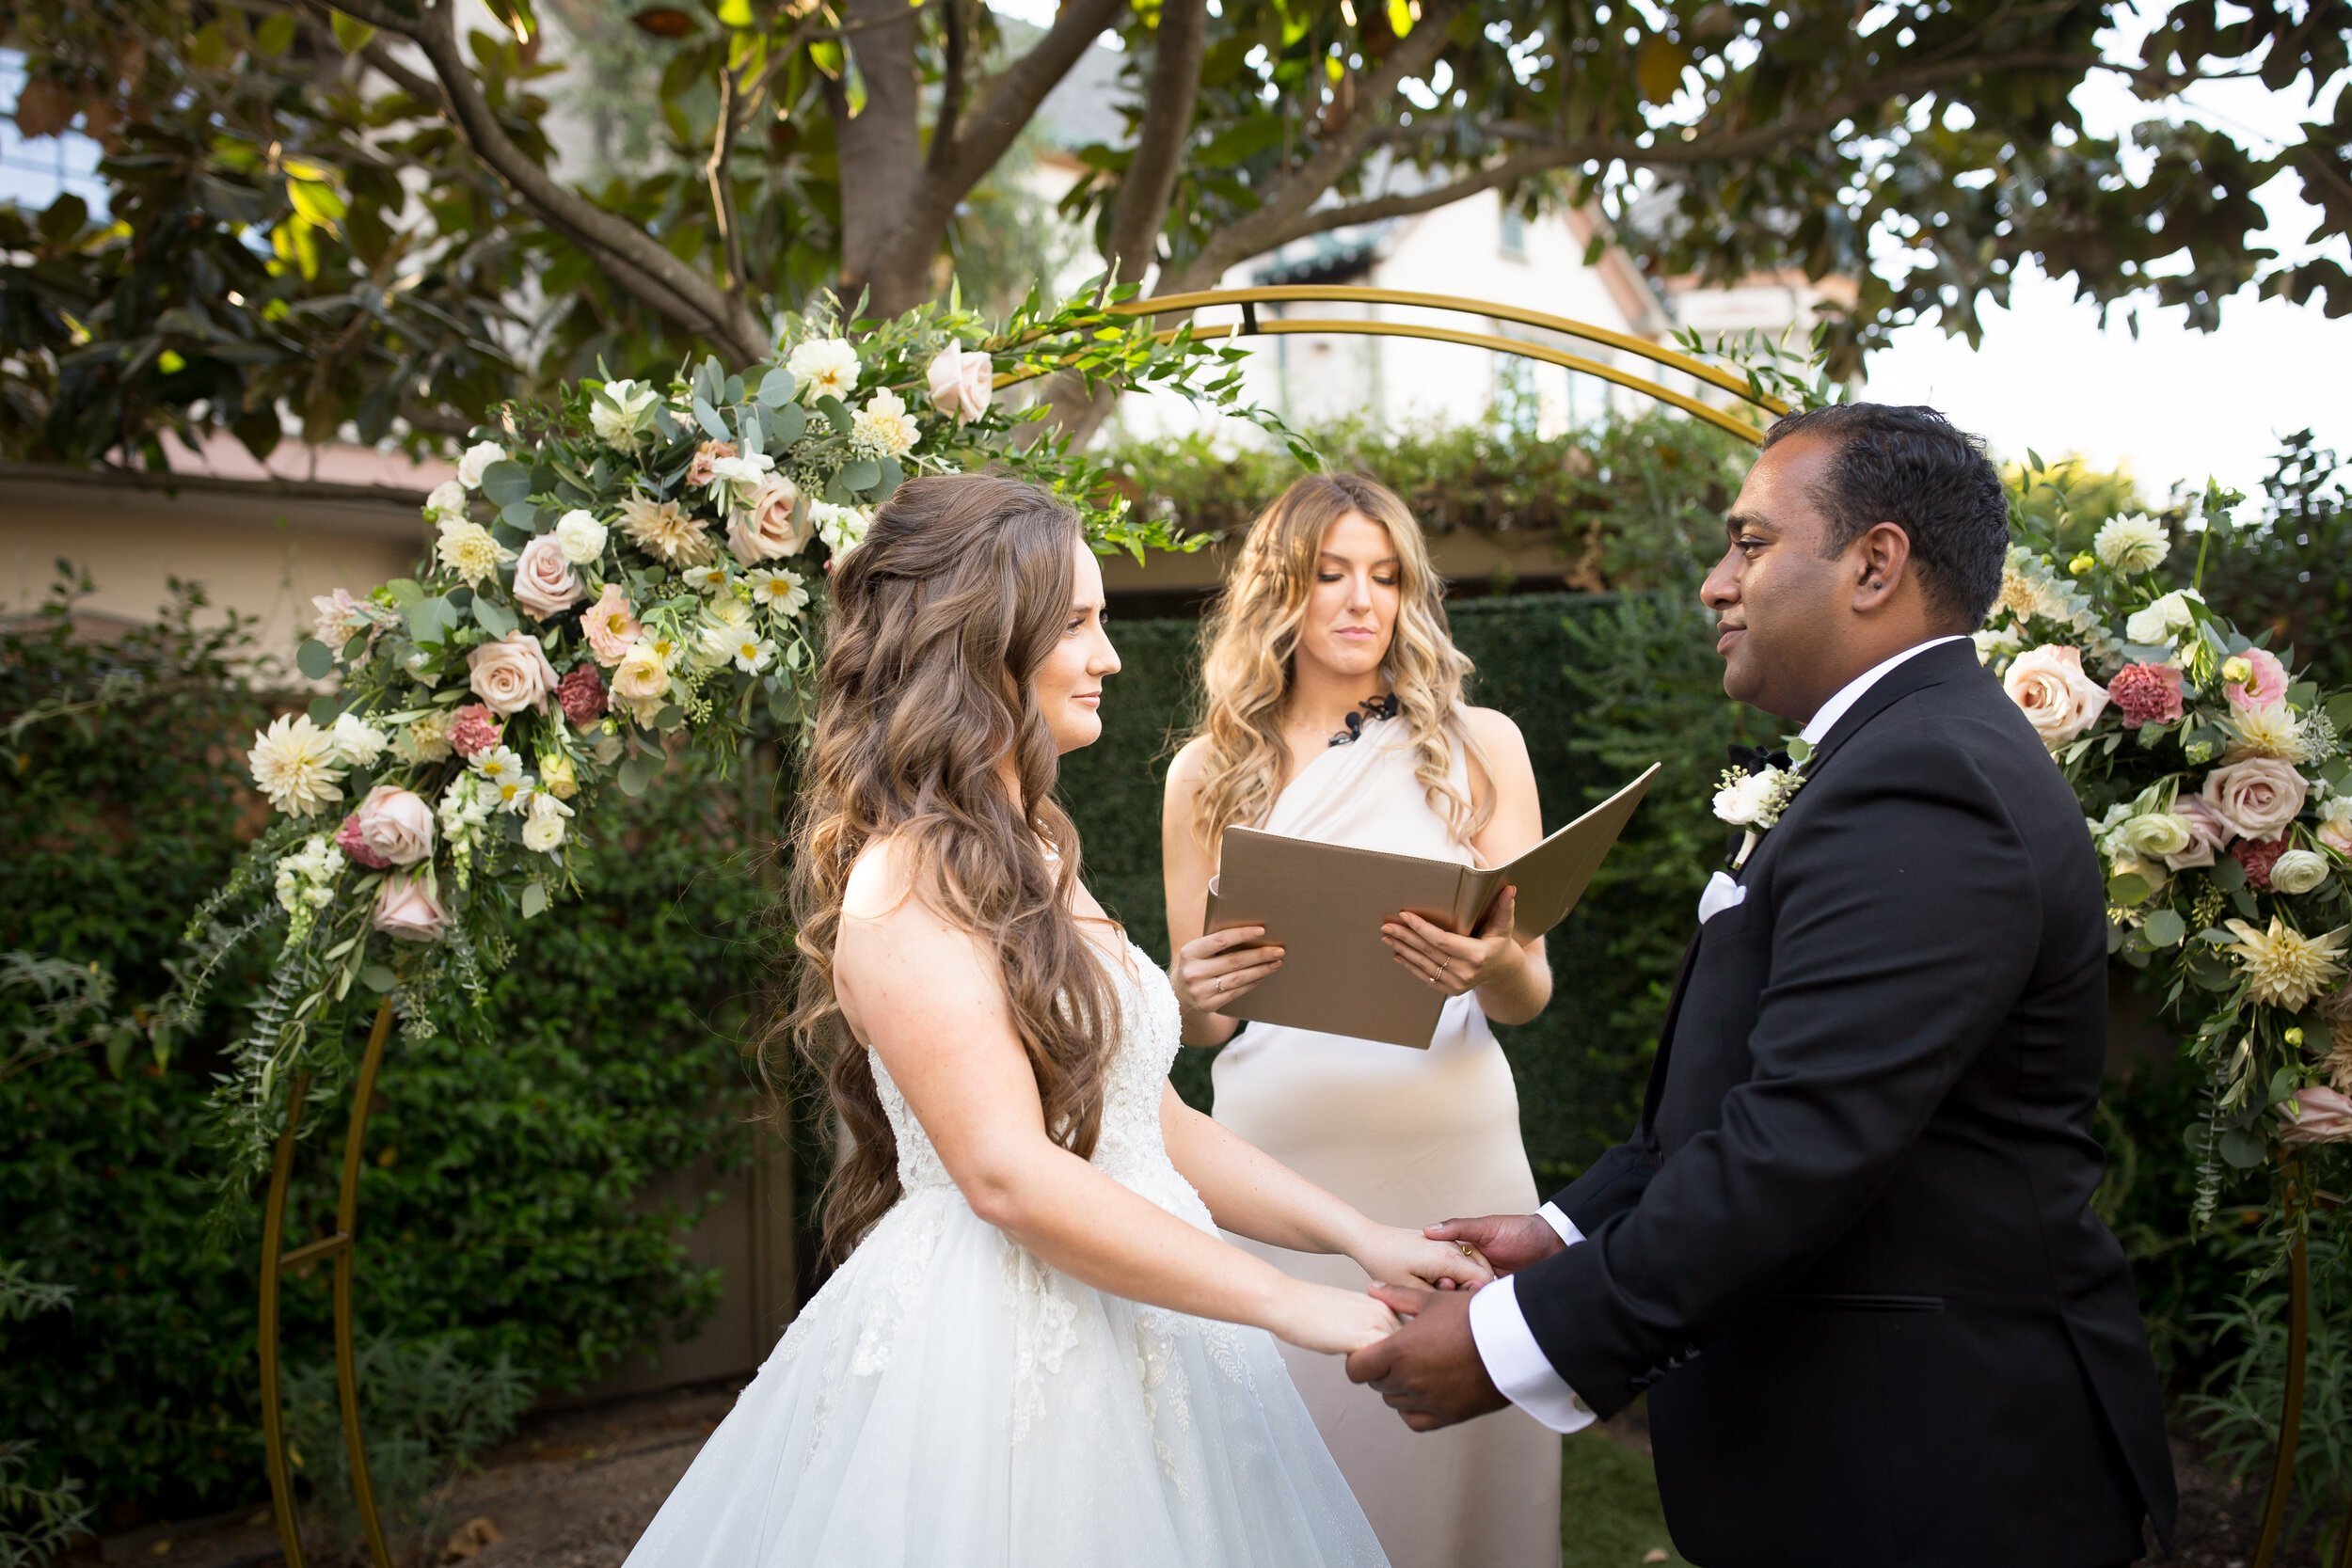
1850, 1252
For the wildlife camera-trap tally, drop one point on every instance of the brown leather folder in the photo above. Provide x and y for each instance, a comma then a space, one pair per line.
1325, 905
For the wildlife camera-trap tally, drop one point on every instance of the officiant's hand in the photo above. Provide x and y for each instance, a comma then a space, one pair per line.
1509, 1241
1451, 964
1219, 969
1429, 1369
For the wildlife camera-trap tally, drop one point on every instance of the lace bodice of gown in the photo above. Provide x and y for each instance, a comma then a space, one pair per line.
1129, 1148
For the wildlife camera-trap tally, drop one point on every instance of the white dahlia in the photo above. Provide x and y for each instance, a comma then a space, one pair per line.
298, 765
2283, 966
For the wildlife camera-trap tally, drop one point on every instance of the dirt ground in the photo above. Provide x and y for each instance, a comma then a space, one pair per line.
575, 1487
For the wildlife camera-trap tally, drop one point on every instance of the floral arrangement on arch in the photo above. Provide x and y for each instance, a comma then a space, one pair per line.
640, 567
2216, 785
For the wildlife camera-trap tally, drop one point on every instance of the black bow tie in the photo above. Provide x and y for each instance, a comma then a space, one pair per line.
1754, 759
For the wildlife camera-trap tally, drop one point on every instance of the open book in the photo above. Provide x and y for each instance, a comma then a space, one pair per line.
1325, 904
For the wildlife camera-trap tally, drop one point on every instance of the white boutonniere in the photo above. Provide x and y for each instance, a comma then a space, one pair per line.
1752, 799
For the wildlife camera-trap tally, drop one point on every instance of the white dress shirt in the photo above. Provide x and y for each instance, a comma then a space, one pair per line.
1505, 1344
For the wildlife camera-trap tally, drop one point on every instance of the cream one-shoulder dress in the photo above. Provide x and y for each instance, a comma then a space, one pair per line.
1409, 1137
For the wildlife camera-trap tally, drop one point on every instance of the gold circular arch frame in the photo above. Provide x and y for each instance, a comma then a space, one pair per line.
340, 1245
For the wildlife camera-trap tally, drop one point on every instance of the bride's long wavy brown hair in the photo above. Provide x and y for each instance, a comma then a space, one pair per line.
1251, 633
939, 620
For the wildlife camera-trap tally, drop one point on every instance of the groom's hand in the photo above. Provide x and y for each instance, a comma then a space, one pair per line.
1508, 1242
1428, 1370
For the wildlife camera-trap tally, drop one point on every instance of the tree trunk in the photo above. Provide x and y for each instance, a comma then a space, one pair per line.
881, 157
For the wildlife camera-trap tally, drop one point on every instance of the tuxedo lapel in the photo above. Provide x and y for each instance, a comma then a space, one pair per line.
1936, 666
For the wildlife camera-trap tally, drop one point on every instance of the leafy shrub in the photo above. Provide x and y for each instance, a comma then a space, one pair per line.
509, 1155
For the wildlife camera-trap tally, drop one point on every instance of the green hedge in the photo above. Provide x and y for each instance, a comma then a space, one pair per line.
502, 1202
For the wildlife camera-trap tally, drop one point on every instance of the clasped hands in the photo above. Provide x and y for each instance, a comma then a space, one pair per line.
1429, 1371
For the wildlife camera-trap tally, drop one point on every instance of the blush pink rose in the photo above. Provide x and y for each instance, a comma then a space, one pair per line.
512, 674
2258, 796
2317, 1115
347, 839
473, 730
406, 908
2336, 836
581, 694
545, 584
395, 825
961, 384
2146, 695
2208, 832
2265, 688
765, 530
611, 626
2057, 699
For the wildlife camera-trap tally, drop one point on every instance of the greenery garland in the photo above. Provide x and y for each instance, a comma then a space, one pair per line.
636, 568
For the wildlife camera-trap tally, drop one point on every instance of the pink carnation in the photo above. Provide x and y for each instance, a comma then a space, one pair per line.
581, 694
473, 730
2265, 688
348, 840
2258, 856
698, 473
2146, 695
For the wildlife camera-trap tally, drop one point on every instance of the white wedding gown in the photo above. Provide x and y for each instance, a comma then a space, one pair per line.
946, 1400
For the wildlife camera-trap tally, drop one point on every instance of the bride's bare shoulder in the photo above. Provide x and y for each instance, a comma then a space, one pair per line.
882, 881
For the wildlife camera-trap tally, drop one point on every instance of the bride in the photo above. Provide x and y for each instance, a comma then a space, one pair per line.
1035, 1348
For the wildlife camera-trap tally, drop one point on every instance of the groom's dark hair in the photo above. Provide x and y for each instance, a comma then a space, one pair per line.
1908, 466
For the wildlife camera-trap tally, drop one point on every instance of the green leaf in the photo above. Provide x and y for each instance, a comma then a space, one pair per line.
2165, 928
378, 978
637, 773
506, 481
789, 423
2128, 889
523, 514
275, 34
836, 413
861, 473
709, 419
317, 202
493, 617
777, 387
534, 899
314, 659
2243, 1150
430, 621
353, 35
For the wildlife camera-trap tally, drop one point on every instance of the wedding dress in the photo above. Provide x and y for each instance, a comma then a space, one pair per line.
948, 1400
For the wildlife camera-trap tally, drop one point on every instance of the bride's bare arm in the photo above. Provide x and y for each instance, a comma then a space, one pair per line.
925, 996
1252, 1194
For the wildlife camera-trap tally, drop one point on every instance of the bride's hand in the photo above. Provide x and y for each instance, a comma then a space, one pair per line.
1330, 1321
1395, 1255
1219, 969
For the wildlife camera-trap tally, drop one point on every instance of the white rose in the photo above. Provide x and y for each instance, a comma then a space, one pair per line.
2156, 835
2165, 618
579, 536
2297, 871
543, 827
1743, 802
478, 458
447, 498
2048, 685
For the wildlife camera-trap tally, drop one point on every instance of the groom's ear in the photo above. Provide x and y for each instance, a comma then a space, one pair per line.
1880, 563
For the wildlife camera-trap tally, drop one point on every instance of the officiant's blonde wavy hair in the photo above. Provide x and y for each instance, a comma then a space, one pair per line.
939, 620
1252, 631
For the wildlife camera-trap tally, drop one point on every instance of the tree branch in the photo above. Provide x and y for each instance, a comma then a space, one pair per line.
951, 89
722, 188
1141, 205
634, 259
1304, 185
1006, 102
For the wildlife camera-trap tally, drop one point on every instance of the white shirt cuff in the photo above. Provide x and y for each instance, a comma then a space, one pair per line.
1559, 1221
1517, 1363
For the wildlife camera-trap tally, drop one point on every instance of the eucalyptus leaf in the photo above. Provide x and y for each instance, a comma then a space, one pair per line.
2128, 889
534, 899
2243, 1150
2165, 928
314, 659
789, 423
493, 617
777, 387
861, 473
712, 424
635, 773
836, 413
505, 482
378, 978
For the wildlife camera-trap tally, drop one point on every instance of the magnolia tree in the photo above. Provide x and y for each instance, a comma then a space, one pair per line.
635, 569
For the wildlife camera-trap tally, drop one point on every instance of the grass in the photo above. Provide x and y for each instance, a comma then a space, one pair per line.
1609, 1514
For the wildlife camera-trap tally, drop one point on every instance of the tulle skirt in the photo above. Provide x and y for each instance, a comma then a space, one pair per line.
948, 1401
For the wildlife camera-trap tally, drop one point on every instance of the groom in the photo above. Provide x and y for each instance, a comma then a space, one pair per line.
1849, 1251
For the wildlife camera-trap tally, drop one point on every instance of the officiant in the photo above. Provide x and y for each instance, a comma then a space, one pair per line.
1332, 710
